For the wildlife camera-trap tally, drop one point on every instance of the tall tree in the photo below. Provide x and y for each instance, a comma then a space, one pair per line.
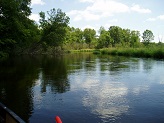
101, 30
126, 36
104, 38
89, 35
116, 35
74, 38
147, 36
54, 28
16, 29
134, 38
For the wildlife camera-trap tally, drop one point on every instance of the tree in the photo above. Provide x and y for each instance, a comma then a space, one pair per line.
16, 29
147, 37
43, 22
134, 38
104, 38
116, 35
89, 35
54, 28
101, 30
74, 38
126, 37
76, 35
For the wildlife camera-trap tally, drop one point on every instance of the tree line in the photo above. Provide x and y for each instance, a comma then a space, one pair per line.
20, 35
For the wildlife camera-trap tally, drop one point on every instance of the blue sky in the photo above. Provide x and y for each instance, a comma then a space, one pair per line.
135, 15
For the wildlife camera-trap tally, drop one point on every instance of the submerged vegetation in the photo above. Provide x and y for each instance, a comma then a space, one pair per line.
53, 35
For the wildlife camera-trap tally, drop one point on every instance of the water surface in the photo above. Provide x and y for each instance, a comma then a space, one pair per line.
84, 88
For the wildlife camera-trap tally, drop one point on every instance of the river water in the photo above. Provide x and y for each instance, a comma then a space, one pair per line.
84, 88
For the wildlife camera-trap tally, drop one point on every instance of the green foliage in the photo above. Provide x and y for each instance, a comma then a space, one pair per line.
54, 28
17, 31
3, 55
116, 35
89, 35
134, 38
147, 37
20, 35
74, 38
77, 39
146, 52
43, 22
104, 39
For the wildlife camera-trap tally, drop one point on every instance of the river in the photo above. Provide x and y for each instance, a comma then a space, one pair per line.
84, 88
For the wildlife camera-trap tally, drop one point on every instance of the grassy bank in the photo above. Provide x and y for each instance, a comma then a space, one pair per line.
83, 50
133, 52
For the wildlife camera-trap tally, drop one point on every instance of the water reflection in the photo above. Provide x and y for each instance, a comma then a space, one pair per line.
83, 86
147, 65
19, 76
104, 97
16, 79
54, 75
109, 102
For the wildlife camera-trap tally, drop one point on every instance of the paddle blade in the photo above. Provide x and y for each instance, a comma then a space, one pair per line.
57, 119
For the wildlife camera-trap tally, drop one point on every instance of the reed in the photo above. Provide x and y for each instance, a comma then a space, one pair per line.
147, 52
135, 52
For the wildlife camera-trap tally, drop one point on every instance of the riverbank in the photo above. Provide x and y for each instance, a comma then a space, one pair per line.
144, 52
132, 52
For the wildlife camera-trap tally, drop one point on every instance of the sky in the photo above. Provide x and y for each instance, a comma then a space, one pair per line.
128, 14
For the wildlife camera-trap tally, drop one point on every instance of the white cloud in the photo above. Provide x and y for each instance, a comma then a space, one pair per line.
37, 2
161, 17
98, 9
151, 19
138, 9
79, 15
34, 17
83, 1
82, 15
107, 7
113, 21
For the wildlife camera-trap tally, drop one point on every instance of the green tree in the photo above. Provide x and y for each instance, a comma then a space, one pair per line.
76, 35
134, 38
116, 35
89, 35
104, 38
54, 28
126, 37
17, 31
101, 30
74, 38
79, 35
43, 22
147, 37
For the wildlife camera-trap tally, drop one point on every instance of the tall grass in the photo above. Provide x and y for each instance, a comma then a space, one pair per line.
135, 52
147, 52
